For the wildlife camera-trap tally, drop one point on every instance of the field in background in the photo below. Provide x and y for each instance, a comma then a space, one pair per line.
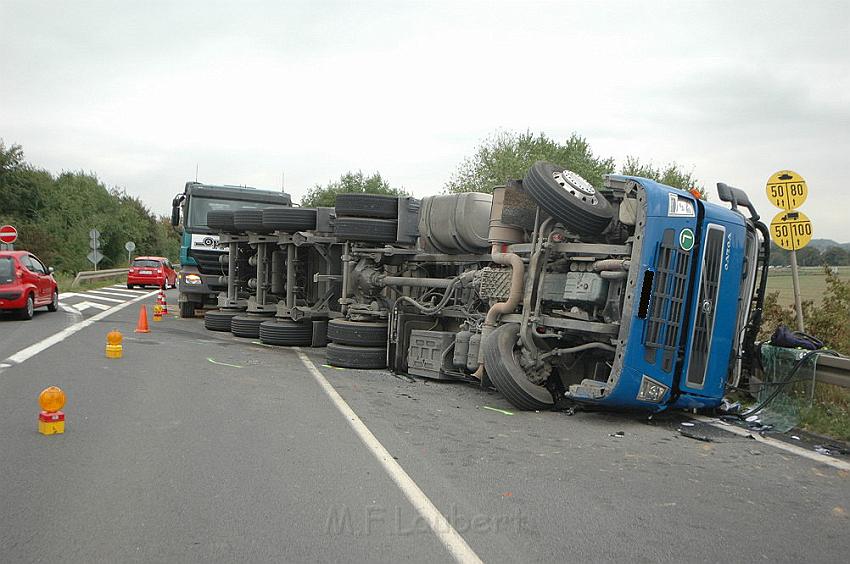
812, 282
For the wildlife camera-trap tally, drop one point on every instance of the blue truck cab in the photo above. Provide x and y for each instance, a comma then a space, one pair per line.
203, 271
692, 306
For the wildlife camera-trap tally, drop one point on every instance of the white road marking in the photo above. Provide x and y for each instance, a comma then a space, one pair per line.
111, 292
123, 289
82, 306
69, 309
34, 349
441, 527
101, 298
64, 295
794, 449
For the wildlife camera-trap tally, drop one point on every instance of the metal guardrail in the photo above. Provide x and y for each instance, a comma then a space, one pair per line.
97, 274
833, 370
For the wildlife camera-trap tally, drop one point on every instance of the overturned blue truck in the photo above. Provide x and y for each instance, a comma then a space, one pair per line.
630, 295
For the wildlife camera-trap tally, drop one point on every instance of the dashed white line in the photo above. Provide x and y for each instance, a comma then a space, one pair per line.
110, 292
438, 523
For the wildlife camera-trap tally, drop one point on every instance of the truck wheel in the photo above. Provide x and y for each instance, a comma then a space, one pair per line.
218, 320
366, 205
250, 220
187, 310
221, 220
568, 197
286, 333
509, 378
358, 333
290, 220
247, 325
346, 356
366, 229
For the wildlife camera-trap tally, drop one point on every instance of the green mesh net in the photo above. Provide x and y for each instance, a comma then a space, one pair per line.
783, 412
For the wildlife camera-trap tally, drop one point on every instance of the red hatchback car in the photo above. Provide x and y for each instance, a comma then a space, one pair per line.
25, 284
151, 271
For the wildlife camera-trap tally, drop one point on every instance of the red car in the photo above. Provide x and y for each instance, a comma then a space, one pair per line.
25, 284
151, 271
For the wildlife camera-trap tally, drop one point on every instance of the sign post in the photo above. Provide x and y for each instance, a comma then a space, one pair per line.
95, 256
129, 246
790, 229
8, 235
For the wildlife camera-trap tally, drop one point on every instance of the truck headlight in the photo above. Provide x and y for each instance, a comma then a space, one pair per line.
651, 390
192, 279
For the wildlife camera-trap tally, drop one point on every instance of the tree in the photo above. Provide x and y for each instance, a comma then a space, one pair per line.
778, 255
507, 155
836, 256
809, 256
321, 196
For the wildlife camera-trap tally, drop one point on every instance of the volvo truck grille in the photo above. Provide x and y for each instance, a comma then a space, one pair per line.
712, 267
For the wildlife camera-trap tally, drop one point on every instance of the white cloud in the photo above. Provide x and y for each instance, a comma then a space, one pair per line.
141, 94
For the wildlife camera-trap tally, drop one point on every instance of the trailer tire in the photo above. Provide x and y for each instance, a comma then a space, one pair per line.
247, 326
357, 333
287, 333
250, 220
290, 220
506, 374
366, 205
582, 209
221, 220
218, 320
366, 229
346, 356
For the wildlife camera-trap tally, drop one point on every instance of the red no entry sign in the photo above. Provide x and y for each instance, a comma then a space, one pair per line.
8, 234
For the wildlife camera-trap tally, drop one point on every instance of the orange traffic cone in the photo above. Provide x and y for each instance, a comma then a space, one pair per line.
142, 325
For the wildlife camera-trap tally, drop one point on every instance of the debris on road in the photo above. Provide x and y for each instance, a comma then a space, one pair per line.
695, 436
497, 410
224, 363
618, 434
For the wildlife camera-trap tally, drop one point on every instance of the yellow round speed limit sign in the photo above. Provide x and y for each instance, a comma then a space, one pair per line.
787, 190
791, 230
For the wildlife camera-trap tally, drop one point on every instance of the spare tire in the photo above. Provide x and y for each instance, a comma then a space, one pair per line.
250, 220
221, 220
290, 220
366, 229
366, 205
568, 197
346, 356
285, 332
506, 374
363, 333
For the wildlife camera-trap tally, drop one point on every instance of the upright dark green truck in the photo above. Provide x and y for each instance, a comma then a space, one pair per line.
204, 262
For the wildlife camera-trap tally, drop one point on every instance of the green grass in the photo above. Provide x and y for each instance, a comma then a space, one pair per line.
812, 283
829, 414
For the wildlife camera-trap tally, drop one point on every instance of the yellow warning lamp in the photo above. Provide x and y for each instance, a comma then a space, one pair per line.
51, 399
114, 349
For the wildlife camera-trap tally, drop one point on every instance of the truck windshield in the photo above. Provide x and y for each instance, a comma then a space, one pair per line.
199, 207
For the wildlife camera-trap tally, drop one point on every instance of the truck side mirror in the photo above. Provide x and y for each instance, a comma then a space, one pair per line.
736, 196
175, 209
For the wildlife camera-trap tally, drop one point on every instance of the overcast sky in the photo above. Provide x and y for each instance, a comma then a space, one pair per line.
141, 92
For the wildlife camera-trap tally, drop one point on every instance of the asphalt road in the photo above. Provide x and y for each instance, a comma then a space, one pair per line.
198, 446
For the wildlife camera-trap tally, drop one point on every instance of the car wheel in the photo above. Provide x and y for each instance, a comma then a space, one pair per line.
507, 375
54, 304
569, 198
28, 310
130, 286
